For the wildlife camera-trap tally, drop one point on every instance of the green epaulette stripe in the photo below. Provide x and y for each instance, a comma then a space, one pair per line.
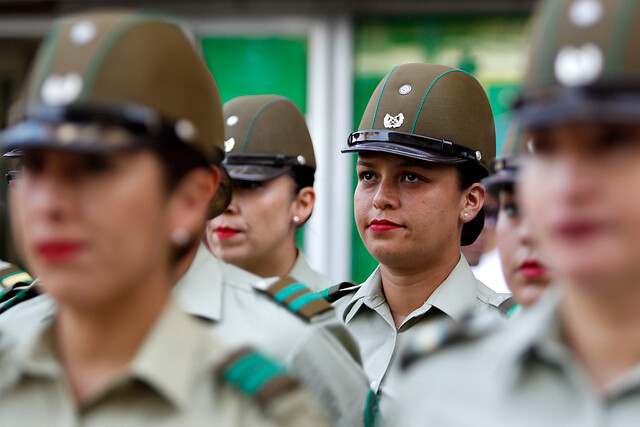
371, 410
325, 294
303, 300
288, 291
513, 310
251, 372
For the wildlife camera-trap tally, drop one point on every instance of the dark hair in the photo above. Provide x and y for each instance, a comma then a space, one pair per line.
469, 173
303, 176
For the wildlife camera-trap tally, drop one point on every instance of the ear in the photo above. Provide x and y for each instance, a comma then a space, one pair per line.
189, 202
303, 205
472, 202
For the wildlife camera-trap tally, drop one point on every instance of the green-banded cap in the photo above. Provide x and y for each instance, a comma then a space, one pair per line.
267, 135
117, 80
583, 63
428, 112
504, 168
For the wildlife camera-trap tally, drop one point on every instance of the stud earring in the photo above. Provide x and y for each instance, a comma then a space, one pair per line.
180, 236
296, 219
466, 215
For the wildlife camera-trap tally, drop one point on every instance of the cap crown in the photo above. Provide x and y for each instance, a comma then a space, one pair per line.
584, 42
435, 101
116, 58
267, 124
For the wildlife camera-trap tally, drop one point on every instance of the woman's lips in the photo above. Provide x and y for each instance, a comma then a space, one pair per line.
58, 251
382, 225
532, 269
224, 232
577, 230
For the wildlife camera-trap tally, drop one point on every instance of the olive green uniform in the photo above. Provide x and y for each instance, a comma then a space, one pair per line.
524, 375
303, 272
368, 317
172, 380
318, 351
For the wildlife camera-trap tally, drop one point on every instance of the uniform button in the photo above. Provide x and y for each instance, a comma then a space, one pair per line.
374, 384
393, 335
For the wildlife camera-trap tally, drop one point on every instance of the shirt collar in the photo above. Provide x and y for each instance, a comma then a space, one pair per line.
455, 296
199, 290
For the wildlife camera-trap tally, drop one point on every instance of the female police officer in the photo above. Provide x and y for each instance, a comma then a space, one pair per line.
271, 162
115, 183
423, 146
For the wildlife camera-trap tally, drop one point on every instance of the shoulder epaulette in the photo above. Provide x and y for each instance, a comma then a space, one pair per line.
508, 307
255, 375
298, 298
12, 275
334, 293
444, 332
17, 293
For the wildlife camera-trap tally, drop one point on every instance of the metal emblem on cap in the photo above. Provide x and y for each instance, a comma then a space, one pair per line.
405, 89
579, 65
61, 90
301, 160
185, 129
229, 144
478, 155
392, 122
82, 32
585, 13
232, 120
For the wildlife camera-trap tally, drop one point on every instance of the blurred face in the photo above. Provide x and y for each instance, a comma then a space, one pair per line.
580, 190
257, 225
527, 276
408, 213
92, 226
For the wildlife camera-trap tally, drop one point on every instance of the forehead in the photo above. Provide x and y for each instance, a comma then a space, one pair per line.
385, 160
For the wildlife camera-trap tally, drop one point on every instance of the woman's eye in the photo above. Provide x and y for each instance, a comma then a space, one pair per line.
411, 177
511, 209
365, 176
96, 164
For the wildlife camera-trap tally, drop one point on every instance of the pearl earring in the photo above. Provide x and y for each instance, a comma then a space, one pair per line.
296, 219
180, 236
466, 215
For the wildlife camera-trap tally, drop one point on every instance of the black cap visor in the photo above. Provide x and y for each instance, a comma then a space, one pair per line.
259, 167
410, 145
92, 129
593, 104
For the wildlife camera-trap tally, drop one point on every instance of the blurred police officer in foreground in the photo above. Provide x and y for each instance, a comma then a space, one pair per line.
574, 357
282, 316
271, 162
117, 127
525, 271
423, 146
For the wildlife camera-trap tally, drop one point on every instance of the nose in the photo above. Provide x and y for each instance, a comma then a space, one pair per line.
385, 196
574, 180
525, 232
49, 197
233, 207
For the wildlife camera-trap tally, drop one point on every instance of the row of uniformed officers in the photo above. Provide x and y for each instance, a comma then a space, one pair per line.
161, 228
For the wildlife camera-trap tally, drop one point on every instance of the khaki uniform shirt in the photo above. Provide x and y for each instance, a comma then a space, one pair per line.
523, 375
171, 381
303, 272
368, 317
320, 353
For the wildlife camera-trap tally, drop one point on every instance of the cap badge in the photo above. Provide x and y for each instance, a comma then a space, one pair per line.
301, 160
576, 66
82, 32
61, 90
585, 13
392, 122
229, 144
232, 120
404, 89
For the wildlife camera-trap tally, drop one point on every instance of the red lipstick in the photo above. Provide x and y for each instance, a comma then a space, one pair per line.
225, 232
382, 225
532, 269
574, 230
58, 251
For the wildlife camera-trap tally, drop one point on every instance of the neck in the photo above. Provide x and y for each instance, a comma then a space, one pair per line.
97, 345
276, 263
406, 290
602, 331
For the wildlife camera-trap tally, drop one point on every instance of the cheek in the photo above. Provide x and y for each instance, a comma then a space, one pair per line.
361, 202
